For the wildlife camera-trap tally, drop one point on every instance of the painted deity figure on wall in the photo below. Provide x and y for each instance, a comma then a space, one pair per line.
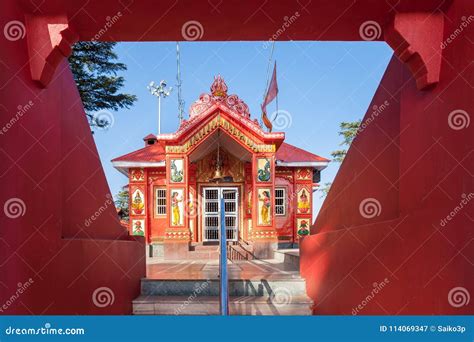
303, 202
137, 205
176, 208
177, 172
264, 198
263, 172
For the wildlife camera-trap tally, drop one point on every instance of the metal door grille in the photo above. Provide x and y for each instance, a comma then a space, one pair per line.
211, 210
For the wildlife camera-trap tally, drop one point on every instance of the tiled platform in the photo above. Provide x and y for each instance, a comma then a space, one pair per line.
203, 269
192, 287
239, 306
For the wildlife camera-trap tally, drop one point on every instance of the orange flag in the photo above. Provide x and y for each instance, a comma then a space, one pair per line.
272, 92
266, 120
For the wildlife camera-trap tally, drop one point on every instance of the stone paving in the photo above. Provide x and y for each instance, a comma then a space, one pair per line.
209, 269
191, 287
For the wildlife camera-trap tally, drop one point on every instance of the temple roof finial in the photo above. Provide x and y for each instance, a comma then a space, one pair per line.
218, 87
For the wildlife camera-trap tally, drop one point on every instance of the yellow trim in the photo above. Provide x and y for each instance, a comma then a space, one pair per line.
227, 126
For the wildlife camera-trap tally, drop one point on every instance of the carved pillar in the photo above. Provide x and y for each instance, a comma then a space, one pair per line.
247, 209
303, 202
177, 235
193, 209
138, 202
263, 233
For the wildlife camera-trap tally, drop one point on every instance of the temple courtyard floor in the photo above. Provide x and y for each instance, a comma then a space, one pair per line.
209, 269
192, 287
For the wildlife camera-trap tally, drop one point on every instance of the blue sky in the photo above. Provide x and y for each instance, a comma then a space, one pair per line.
320, 85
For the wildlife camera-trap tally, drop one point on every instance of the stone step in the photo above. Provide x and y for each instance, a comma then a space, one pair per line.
211, 252
207, 248
290, 286
246, 305
203, 255
290, 257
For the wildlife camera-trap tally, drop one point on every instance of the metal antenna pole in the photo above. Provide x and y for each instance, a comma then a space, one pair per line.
159, 114
159, 90
178, 85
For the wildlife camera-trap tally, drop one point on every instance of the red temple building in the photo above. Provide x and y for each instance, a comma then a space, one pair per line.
177, 179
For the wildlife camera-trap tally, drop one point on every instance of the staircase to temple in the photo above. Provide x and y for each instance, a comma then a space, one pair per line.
239, 250
198, 251
255, 288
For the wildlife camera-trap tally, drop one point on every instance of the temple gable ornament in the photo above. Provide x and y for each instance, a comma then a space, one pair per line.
220, 122
219, 94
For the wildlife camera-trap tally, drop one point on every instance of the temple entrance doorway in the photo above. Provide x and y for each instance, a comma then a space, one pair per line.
211, 209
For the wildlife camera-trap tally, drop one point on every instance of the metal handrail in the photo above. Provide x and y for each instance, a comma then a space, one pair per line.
245, 249
224, 277
234, 254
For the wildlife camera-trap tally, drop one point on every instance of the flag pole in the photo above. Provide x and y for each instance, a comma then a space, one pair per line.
276, 114
276, 101
268, 77
268, 70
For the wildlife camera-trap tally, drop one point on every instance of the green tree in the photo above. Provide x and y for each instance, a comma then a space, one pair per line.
348, 130
122, 203
95, 69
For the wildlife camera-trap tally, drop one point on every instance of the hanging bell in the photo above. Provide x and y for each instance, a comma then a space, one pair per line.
217, 173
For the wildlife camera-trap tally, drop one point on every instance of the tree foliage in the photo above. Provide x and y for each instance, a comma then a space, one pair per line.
122, 203
348, 130
95, 69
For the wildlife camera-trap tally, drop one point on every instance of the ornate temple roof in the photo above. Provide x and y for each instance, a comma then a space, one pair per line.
231, 104
219, 94
154, 155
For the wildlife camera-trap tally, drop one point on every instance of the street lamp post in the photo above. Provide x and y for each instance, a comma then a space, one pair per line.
159, 90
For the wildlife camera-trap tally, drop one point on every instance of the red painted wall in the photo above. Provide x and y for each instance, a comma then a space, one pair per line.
48, 161
285, 224
49, 166
419, 169
157, 223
